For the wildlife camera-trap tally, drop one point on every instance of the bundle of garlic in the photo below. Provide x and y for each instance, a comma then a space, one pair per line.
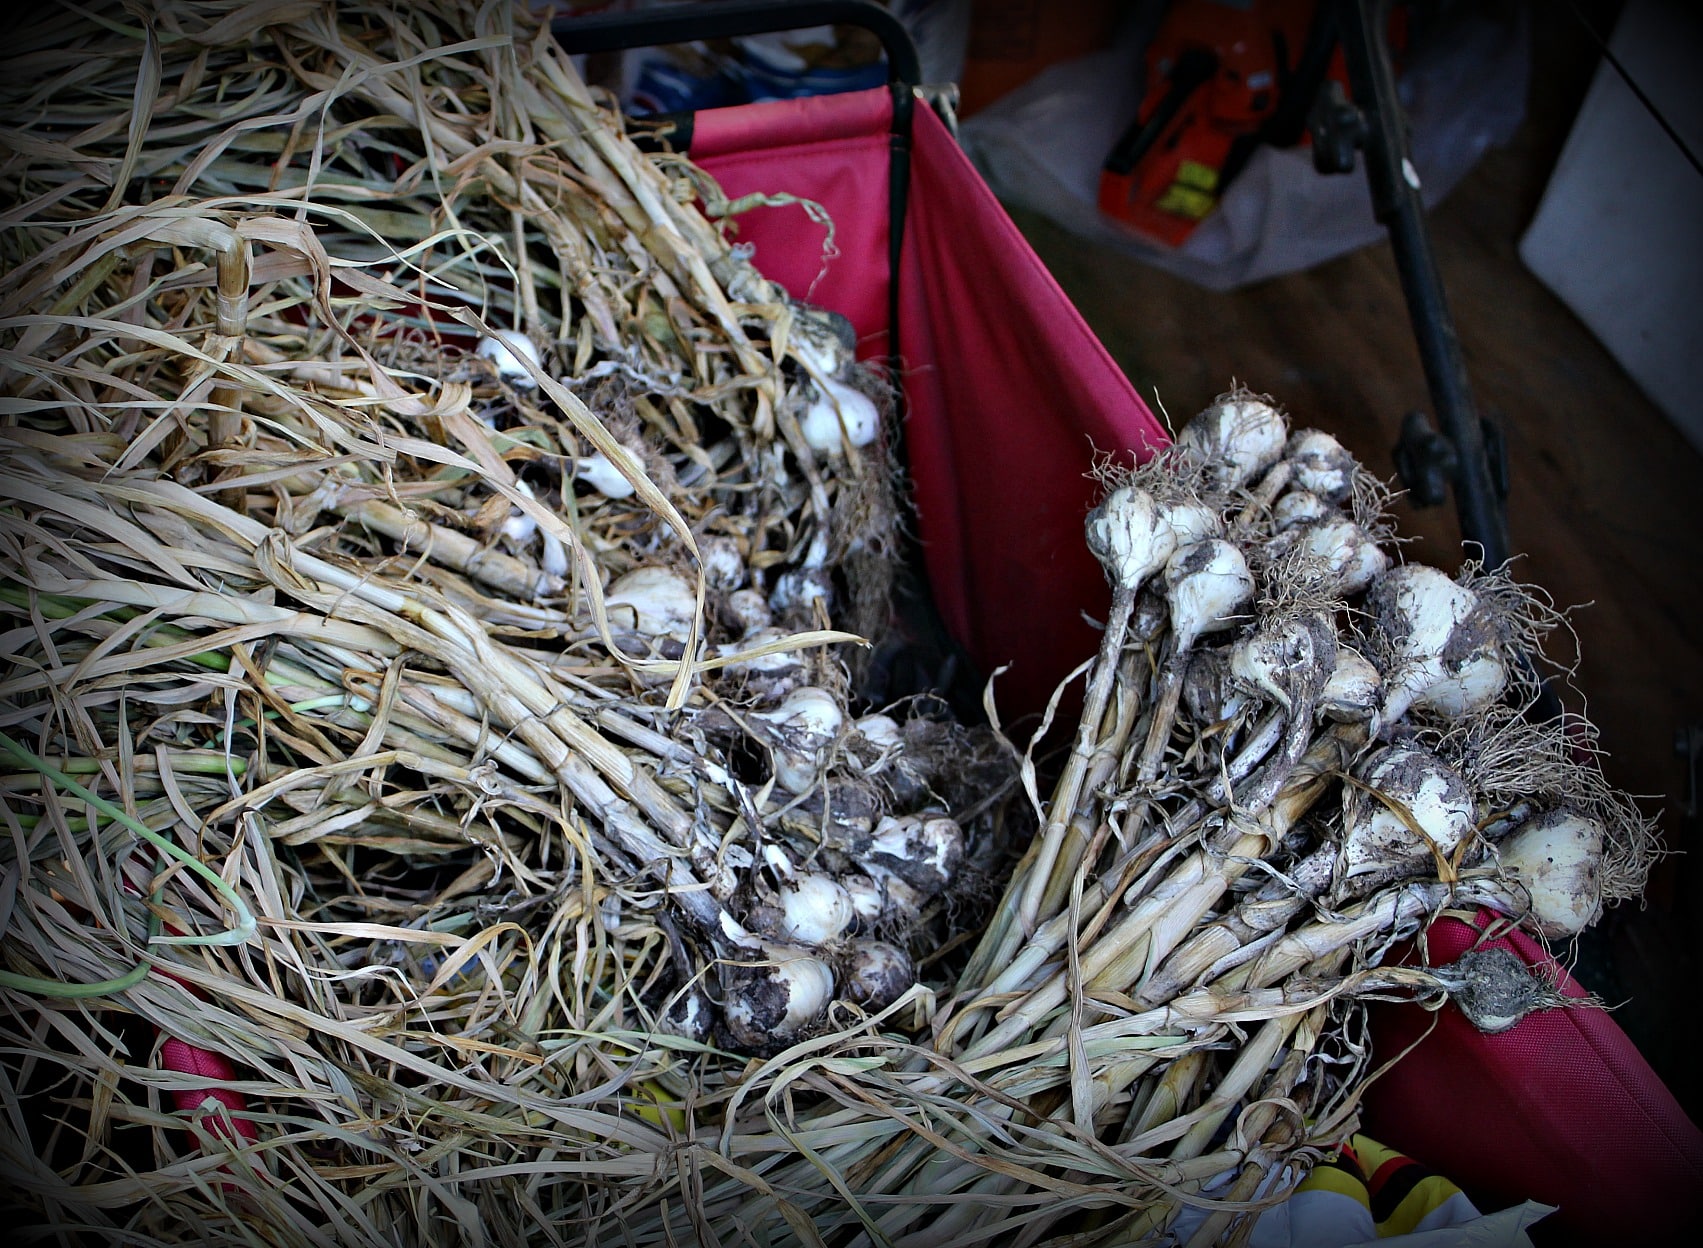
1294, 751
436, 566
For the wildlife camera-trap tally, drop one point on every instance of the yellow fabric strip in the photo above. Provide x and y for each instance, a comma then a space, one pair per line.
1427, 1194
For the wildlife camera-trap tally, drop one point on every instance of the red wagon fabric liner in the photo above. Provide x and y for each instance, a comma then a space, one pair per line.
1009, 394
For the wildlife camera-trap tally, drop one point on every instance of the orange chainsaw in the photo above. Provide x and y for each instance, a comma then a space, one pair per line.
1223, 77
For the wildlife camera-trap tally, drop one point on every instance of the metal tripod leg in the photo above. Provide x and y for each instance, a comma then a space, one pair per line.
1399, 208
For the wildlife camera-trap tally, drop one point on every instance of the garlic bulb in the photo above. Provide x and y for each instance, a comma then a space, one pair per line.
1409, 778
922, 850
1130, 536
1494, 988
1321, 465
597, 471
839, 416
1557, 860
659, 601
866, 897
553, 555
881, 731
520, 528
1283, 654
1237, 437
825, 342
1208, 583
813, 908
1191, 520
1352, 690
763, 664
1446, 653
1350, 555
877, 974
506, 348
1296, 508
772, 1002
691, 1015
1209, 692
748, 610
724, 567
797, 589
806, 723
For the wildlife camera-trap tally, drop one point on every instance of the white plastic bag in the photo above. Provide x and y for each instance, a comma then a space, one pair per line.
1041, 147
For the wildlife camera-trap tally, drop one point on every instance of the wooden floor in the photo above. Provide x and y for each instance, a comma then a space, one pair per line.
1606, 504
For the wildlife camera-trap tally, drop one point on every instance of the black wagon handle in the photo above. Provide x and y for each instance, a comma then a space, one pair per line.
730, 19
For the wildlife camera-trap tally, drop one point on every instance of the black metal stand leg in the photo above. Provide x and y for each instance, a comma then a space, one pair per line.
1397, 202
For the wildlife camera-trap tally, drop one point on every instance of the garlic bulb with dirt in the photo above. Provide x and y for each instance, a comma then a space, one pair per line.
748, 610
1352, 691
1444, 650
1296, 508
880, 731
1235, 438
724, 567
876, 974
1320, 465
803, 726
689, 1014
771, 666
797, 589
506, 349
867, 899
1349, 555
922, 850
1283, 654
1408, 810
1131, 536
1208, 583
653, 600
1495, 989
1556, 859
1191, 520
811, 908
770, 997
1210, 694
824, 341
